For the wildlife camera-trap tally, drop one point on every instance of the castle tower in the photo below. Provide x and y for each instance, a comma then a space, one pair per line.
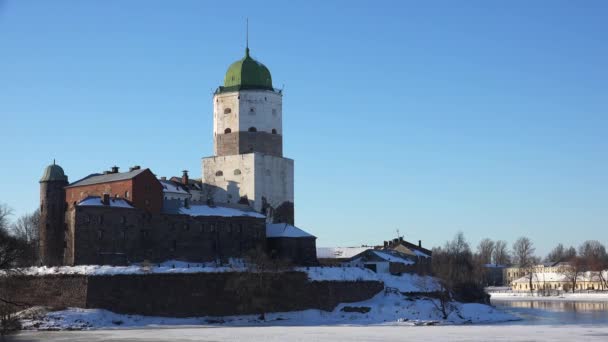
52, 215
248, 162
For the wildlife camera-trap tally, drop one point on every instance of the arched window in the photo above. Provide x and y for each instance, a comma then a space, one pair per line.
219, 174
252, 129
237, 172
227, 111
274, 131
227, 130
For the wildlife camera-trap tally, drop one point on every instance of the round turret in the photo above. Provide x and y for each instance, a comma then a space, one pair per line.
52, 173
52, 215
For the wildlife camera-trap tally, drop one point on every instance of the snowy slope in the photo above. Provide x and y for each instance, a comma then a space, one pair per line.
384, 308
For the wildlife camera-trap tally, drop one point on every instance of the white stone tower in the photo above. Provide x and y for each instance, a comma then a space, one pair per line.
248, 158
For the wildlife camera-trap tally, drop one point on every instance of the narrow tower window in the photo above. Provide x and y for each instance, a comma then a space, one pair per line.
227, 111
252, 129
227, 130
252, 111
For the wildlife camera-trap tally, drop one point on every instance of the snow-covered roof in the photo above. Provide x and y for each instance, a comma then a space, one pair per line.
205, 210
386, 255
339, 252
274, 230
172, 187
94, 201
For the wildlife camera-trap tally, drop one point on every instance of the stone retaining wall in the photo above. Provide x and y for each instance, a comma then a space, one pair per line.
185, 295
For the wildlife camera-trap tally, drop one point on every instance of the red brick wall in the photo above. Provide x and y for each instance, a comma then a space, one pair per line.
147, 192
144, 191
78, 193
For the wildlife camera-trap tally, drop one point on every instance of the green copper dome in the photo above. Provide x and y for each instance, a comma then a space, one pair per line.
247, 73
53, 173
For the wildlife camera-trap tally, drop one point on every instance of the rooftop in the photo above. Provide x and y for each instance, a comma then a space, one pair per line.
97, 178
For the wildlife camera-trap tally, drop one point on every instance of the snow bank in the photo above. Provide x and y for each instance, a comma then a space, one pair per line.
384, 308
403, 283
171, 266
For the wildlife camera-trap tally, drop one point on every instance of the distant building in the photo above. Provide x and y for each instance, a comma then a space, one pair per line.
515, 272
559, 281
384, 261
395, 256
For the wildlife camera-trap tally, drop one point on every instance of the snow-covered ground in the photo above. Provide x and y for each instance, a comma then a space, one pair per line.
593, 297
510, 333
385, 308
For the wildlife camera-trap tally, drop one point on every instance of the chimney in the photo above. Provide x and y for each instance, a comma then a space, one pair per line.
185, 177
114, 169
420, 243
133, 168
401, 239
385, 244
105, 199
163, 178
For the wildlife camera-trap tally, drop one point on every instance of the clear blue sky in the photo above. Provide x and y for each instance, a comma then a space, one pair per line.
428, 117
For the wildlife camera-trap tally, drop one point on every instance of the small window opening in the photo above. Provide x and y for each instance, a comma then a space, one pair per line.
219, 174
227, 111
237, 172
274, 131
252, 129
227, 130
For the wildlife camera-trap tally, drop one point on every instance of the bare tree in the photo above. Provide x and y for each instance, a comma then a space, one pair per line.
501, 253
485, 248
26, 230
523, 255
573, 271
5, 212
593, 254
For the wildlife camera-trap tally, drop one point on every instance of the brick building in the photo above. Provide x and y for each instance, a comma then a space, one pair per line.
116, 218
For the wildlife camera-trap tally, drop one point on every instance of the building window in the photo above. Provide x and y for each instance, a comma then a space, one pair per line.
202, 228
252, 111
227, 130
123, 234
219, 173
274, 131
127, 194
100, 234
237, 172
100, 219
252, 129
186, 226
123, 220
212, 228
227, 111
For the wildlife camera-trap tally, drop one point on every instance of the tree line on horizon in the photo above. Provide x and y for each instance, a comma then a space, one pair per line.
457, 265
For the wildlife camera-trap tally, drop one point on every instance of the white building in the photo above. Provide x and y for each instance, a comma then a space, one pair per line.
248, 163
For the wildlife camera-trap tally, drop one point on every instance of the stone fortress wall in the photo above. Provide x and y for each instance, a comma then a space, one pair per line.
188, 295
